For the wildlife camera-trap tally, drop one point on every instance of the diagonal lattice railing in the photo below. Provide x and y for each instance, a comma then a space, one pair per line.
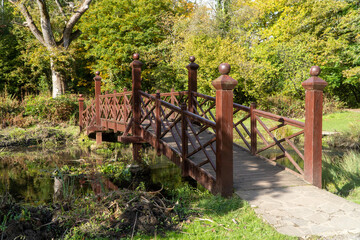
172, 124
270, 136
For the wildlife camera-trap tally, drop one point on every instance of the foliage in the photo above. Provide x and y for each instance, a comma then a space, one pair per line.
349, 139
60, 109
111, 37
341, 175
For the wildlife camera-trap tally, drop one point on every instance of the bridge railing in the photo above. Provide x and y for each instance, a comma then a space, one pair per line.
187, 116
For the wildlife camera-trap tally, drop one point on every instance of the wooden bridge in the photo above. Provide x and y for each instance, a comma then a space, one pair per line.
218, 143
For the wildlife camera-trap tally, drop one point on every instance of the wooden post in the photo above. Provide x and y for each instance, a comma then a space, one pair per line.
157, 122
81, 110
136, 87
97, 80
314, 87
184, 142
192, 83
224, 86
253, 135
172, 101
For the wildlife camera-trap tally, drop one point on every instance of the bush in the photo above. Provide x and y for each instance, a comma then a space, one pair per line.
56, 110
295, 108
284, 106
10, 110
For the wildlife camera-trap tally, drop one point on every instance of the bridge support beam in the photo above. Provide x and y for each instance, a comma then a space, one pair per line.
224, 86
314, 87
136, 87
97, 80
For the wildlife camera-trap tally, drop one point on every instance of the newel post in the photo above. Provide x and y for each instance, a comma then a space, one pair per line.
224, 86
81, 110
97, 80
314, 87
157, 122
136, 87
253, 136
192, 82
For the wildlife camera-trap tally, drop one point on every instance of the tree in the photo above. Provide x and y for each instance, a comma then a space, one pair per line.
61, 26
115, 29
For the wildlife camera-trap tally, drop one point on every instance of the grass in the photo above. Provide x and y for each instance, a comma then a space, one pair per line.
206, 217
341, 175
340, 121
221, 218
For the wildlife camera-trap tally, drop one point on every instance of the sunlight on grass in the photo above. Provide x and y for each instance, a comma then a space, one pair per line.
220, 218
340, 121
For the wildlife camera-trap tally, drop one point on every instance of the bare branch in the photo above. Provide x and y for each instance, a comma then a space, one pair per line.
60, 9
73, 36
73, 20
29, 21
45, 24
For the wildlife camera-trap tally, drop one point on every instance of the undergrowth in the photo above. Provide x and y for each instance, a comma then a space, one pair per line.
341, 175
35, 109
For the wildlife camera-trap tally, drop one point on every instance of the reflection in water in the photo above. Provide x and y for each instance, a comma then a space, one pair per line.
33, 177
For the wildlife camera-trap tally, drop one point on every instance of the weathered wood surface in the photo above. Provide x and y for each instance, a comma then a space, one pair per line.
250, 172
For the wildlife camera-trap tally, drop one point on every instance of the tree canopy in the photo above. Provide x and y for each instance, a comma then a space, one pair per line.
270, 44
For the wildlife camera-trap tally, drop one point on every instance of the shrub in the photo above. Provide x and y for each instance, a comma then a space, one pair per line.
284, 106
10, 110
60, 109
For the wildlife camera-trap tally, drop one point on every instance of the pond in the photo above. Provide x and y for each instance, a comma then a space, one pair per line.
37, 176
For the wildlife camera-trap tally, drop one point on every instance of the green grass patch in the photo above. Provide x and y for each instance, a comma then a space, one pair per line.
341, 175
340, 121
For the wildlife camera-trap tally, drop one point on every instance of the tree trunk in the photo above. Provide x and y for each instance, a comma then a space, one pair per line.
58, 81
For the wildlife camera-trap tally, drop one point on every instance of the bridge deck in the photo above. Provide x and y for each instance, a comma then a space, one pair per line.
250, 172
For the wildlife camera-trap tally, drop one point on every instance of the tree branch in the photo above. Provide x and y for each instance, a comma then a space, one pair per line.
73, 36
72, 21
60, 9
45, 24
29, 21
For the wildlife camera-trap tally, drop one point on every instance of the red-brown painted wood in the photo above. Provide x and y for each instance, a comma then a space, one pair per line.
224, 86
157, 122
253, 136
81, 110
97, 80
184, 142
136, 87
192, 82
313, 126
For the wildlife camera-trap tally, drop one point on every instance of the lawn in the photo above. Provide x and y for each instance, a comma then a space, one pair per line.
340, 121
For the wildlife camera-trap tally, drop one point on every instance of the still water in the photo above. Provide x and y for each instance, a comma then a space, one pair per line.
34, 176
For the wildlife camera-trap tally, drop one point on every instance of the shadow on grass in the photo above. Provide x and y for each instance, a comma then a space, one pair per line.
219, 205
338, 179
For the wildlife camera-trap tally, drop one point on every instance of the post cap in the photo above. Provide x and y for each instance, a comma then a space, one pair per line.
97, 76
192, 65
224, 82
314, 82
136, 63
224, 68
136, 56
